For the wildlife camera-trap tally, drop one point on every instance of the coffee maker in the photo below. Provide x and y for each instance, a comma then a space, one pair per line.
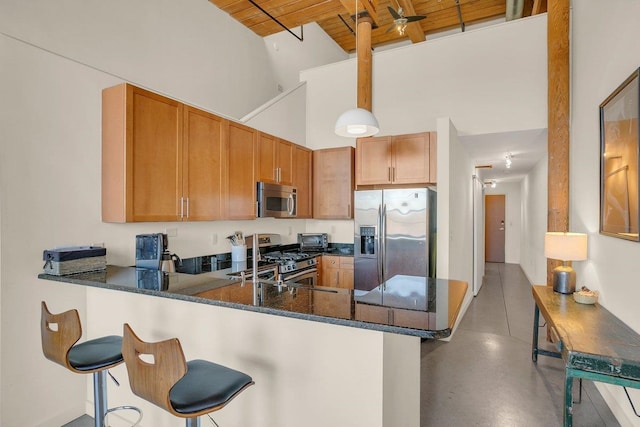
150, 249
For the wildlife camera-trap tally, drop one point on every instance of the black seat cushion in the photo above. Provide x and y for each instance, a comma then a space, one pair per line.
206, 385
95, 354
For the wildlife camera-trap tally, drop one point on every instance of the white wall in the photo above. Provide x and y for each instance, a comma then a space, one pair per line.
189, 50
534, 223
604, 53
455, 202
288, 55
513, 215
487, 80
283, 116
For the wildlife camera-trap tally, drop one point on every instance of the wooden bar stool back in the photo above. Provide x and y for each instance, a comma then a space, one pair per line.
159, 373
60, 333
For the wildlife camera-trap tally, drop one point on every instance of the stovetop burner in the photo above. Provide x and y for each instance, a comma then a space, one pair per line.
289, 262
278, 256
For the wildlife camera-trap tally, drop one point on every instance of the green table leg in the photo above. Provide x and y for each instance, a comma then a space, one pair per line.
568, 399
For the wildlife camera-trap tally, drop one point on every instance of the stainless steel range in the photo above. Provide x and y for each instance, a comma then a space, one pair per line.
280, 263
299, 266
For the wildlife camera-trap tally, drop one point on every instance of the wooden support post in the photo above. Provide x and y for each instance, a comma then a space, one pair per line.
558, 120
365, 62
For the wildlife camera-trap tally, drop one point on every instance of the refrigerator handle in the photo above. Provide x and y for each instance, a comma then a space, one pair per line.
383, 243
379, 249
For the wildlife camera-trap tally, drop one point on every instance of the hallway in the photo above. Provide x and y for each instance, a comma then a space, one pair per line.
485, 377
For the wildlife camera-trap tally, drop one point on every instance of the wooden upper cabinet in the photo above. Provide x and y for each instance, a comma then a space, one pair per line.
410, 158
303, 180
373, 160
241, 183
401, 159
275, 159
162, 160
333, 183
141, 155
204, 176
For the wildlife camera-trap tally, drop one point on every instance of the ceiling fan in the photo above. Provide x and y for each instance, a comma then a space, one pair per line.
400, 21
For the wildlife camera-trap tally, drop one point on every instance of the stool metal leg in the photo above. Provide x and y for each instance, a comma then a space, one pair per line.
99, 397
193, 422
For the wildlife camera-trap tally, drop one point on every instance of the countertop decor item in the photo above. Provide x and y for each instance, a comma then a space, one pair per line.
586, 296
565, 247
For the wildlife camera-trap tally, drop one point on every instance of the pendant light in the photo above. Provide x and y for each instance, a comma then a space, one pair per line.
356, 123
359, 122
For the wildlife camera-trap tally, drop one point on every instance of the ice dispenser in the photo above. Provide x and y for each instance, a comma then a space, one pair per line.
367, 240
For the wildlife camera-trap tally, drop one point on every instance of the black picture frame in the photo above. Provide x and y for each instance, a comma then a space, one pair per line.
619, 154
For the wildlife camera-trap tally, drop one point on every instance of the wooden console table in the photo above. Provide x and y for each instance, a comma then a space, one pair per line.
593, 343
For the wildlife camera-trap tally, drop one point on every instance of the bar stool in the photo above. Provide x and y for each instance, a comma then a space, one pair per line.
159, 373
60, 333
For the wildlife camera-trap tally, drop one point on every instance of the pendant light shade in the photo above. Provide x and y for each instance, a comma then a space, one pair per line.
357, 123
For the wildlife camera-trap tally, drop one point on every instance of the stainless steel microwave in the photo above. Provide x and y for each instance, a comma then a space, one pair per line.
276, 201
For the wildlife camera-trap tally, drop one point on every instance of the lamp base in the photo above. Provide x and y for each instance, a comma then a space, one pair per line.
564, 279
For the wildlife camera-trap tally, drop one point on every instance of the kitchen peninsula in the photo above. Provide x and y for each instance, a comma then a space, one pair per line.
434, 302
310, 368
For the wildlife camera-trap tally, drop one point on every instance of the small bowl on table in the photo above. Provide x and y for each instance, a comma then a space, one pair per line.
581, 297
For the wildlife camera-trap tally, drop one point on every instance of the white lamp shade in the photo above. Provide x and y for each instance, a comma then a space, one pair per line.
565, 246
357, 123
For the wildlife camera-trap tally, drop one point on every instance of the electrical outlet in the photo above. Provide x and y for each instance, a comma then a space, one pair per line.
290, 231
171, 232
214, 239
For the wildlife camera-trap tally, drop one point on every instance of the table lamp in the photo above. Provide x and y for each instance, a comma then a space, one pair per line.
565, 247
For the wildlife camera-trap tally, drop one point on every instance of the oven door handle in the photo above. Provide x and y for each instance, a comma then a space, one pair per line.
300, 274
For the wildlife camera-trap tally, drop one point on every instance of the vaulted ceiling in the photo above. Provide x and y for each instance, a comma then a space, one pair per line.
266, 17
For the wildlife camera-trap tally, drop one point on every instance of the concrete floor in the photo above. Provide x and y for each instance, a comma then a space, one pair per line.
485, 377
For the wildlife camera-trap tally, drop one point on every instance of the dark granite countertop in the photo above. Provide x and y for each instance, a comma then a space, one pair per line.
429, 298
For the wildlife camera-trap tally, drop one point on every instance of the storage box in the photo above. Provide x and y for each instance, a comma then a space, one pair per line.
74, 259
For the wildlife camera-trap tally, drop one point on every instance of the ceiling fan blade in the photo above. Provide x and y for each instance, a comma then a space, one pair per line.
393, 13
414, 18
391, 27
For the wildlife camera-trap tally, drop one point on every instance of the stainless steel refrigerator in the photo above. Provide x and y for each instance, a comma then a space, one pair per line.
395, 234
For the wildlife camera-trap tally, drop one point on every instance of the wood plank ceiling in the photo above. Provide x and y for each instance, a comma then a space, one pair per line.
335, 16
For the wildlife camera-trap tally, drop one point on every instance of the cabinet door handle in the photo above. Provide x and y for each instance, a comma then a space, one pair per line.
390, 176
181, 207
275, 174
394, 174
187, 207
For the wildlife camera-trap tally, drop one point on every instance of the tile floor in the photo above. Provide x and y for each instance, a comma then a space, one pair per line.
485, 377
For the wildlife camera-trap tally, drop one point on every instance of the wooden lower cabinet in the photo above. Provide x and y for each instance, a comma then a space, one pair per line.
337, 271
392, 316
333, 304
333, 183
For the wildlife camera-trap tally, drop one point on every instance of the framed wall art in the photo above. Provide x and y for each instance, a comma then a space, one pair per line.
619, 213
